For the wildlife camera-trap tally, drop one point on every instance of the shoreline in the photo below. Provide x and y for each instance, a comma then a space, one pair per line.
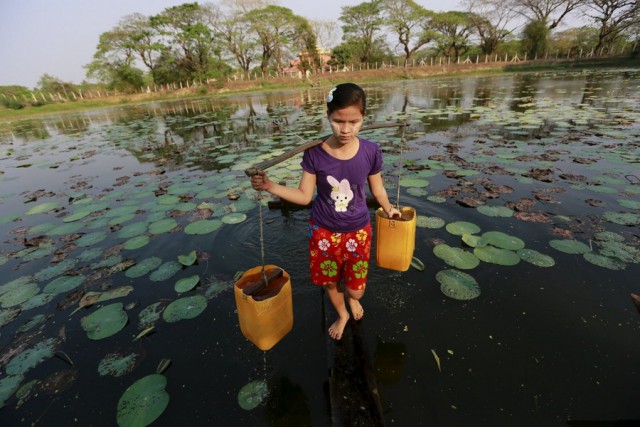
317, 81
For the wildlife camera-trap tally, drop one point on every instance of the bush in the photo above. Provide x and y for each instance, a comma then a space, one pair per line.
11, 103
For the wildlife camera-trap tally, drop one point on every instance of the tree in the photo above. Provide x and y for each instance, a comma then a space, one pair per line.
613, 18
576, 40
535, 39
453, 30
51, 84
327, 33
491, 21
361, 25
276, 29
549, 12
411, 24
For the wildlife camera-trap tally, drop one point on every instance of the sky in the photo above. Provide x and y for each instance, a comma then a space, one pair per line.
59, 37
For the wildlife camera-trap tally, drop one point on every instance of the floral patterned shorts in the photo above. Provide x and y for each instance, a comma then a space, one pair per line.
335, 256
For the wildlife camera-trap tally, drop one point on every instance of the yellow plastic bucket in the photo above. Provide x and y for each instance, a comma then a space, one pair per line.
395, 239
267, 316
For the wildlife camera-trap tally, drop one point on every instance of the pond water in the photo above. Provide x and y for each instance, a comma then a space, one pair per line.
549, 159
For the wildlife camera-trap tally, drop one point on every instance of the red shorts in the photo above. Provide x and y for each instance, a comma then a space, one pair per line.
335, 256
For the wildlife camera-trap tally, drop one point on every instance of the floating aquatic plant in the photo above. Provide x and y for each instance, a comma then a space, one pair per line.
429, 222
63, 284
189, 259
105, 322
143, 401
184, 308
458, 285
503, 240
496, 255
117, 365
251, 395
536, 258
203, 226
19, 294
604, 261
32, 357
165, 271
143, 267
8, 385
569, 246
186, 284
456, 257
459, 228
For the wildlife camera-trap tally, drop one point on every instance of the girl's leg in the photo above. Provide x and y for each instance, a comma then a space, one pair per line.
354, 303
337, 299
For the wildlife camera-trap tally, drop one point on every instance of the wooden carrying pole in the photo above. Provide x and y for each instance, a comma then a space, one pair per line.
289, 154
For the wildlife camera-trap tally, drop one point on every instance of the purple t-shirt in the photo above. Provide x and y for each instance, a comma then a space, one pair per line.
341, 204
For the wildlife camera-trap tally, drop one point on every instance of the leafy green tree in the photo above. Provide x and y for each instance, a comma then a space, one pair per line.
575, 40
361, 28
492, 22
453, 32
613, 18
535, 38
51, 84
276, 28
410, 23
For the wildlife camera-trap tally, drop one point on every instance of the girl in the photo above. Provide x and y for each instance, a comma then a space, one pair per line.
339, 227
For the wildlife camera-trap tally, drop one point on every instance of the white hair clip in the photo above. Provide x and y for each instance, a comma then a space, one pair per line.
330, 96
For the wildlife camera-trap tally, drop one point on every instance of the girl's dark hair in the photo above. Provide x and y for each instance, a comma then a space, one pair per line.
346, 95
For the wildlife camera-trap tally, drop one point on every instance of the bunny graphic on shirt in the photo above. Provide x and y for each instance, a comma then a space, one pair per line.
341, 193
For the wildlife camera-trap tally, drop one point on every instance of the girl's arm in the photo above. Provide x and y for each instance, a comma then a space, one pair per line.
300, 196
380, 194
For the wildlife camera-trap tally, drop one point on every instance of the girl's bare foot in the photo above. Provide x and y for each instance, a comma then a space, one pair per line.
356, 309
335, 330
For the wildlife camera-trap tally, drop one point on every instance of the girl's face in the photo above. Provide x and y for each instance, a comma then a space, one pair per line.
346, 123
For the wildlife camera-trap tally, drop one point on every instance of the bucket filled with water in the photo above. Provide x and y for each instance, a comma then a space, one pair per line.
395, 239
265, 306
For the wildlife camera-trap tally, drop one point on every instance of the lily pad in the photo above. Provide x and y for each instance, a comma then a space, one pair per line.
429, 222
569, 246
8, 385
150, 314
252, 395
204, 226
42, 208
162, 226
63, 284
503, 240
165, 271
622, 218
473, 240
143, 401
19, 294
536, 258
414, 182
496, 255
459, 228
105, 321
184, 308
136, 242
189, 259
495, 211
456, 257
32, 357
186, 284
91, 239
458, 285
234, 218
117, 365
604, 261
143, 267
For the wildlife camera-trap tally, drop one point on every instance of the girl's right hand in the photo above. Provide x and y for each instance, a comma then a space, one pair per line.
260, 181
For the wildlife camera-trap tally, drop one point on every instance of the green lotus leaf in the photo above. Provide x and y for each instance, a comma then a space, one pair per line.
604, 261
136, 242
37, 301
473, 240
132, 230
41, 252
65, 229
414, 182
252, 395
437, 199
107, 262
429, 222
622, 218
150, 314
233, 218
495, 211
8, 316
143, 402
105, 322
165, 271
569, 246
496, 255
121, 219
417, 264
462, 227
91, 239
184, 308
79, 214
117, 365
536, 258
458, 285
162, 226
621, 251
42, 208
503, 240
204, 226
609, 236
189, 259
417, 192
6, 219
8, 386
456, 257
18, 295
63, 284
36, 320
15, 284
32, 357
186, 284
143, 267
55, 270
168, 200
90, 254
629, 204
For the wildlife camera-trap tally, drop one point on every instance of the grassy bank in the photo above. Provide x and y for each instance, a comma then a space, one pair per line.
284, 83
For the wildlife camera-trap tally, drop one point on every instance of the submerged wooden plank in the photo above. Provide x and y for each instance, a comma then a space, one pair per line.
353, 390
